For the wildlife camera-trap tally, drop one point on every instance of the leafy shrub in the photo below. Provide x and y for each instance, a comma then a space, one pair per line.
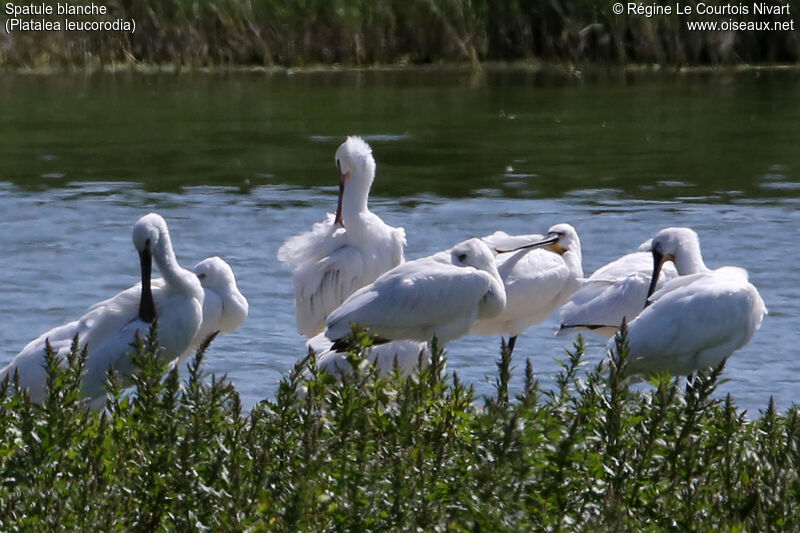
393, 454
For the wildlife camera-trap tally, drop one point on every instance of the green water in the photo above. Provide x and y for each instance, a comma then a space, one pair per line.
521, 133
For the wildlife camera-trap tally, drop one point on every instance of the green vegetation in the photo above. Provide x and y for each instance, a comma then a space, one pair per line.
371, 454
367, 32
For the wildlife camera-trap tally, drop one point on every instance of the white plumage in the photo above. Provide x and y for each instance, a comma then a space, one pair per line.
537, 280
346, 251
110, 326
615, 291
697, 319
442, 294
224, 307
405, 353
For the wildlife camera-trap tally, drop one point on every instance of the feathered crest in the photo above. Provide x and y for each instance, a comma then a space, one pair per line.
356, 146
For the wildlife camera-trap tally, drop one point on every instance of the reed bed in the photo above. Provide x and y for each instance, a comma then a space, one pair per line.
396, 454
192, 33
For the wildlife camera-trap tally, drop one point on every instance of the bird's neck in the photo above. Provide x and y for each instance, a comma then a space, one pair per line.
354, 201
494, 301
574, 262
172, 272
234, 309
690, 261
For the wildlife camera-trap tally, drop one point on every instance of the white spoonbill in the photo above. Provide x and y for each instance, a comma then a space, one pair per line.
696, 320
405, 353
346, 251
537, 280
224, 307
109, 328
442, 295
614, 291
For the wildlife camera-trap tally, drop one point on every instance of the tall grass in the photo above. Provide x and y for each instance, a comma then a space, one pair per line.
367, 32
375, 454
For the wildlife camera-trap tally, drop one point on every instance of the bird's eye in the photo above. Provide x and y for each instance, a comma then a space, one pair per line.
202, 276
462, 257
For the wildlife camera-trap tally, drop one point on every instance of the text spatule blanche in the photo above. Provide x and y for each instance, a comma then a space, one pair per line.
59, 9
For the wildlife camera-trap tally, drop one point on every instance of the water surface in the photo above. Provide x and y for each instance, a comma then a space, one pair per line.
237, 163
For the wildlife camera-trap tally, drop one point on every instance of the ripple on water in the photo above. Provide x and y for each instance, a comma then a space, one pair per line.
781, 185
369, 137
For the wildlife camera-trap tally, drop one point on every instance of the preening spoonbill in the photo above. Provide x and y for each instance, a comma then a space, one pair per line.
442, 295
614, 291
347, 250
110, 326
224, 307
695, 320
537, 280
384, 356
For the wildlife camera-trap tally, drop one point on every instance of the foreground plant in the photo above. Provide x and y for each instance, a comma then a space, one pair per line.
370, 453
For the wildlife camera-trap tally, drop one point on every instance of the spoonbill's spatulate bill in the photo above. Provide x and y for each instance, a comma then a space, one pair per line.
109, 328
537, 280
442, 295
695, 320
614, 292
345, 252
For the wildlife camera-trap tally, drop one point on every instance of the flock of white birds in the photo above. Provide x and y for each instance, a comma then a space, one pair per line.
350, 270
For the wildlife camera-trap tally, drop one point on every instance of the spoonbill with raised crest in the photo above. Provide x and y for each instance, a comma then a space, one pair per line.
346, 251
